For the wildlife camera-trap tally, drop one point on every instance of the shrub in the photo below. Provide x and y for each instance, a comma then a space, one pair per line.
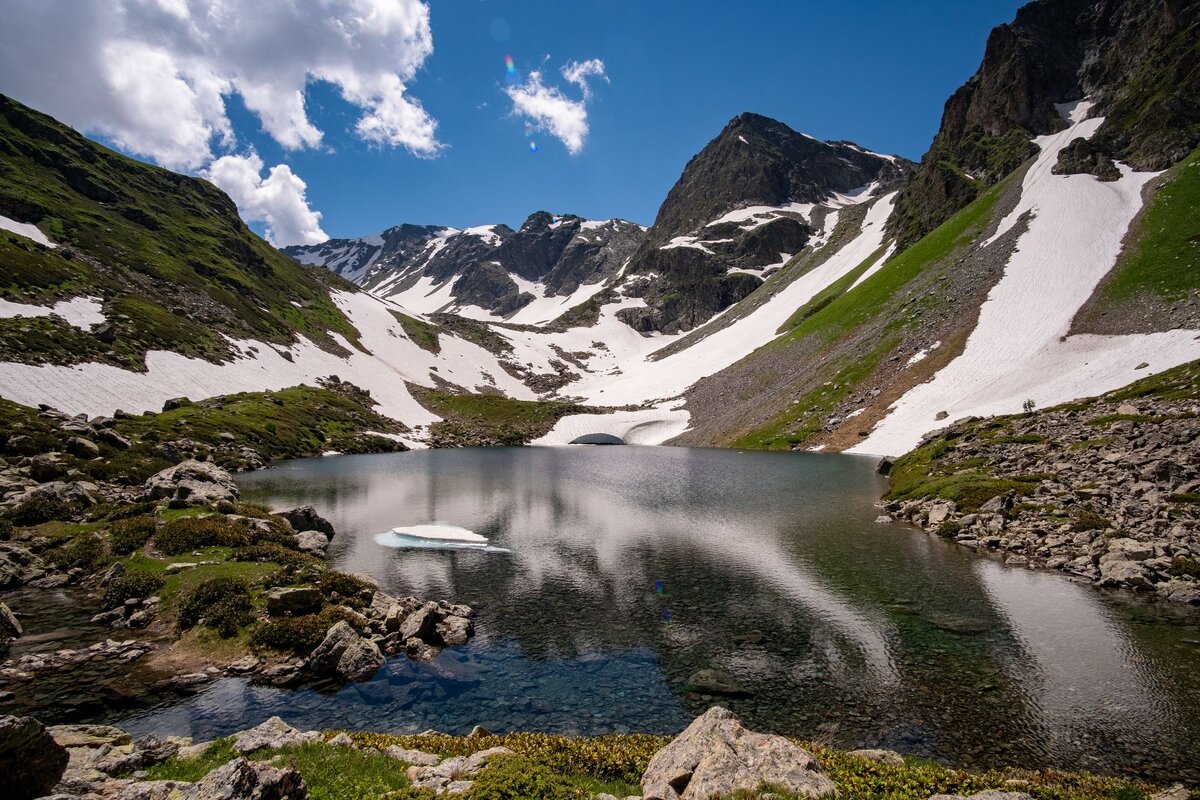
130, 534
338, 586
1086, 519
202, 602
515, 778
1183, 566
277, 553
134, 585
949, 528
297, 635
229, 615
40, 507
190, 533
85, 551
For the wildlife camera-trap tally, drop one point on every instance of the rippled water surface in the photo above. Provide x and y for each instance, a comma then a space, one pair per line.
631, 568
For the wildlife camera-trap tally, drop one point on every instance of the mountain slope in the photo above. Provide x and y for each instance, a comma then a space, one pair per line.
1137, 60
744, 203
488, 272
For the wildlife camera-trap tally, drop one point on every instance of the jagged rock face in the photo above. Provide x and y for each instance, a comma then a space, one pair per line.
561, 253
754, 161
1136, 59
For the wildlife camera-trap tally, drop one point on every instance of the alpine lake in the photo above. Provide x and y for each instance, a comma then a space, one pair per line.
617, 573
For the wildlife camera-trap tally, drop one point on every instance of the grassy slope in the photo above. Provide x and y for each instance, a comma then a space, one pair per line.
1164, 255
920, 473
838, 313
559, 768
489, 420
168, 253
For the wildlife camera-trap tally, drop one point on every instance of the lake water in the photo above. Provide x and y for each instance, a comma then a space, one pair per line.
632, 568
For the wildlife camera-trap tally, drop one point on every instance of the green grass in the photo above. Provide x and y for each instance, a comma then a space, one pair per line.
423, 334
174, 263
490, 420
1163, 257
831, 292
556, 768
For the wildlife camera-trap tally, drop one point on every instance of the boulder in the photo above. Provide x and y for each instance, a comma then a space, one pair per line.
714, 681
110, 437
416, 758
83, 448
18, 566
325, 657
716, 757
312, 542
176, 402
284, 602
940, 512
247, 780
341, 740
10, 627
33, 761
45, 468
361, 660
455, 630
306, 518
89, 735
77, 493
272, 734
193, 483
421, 624
443, 777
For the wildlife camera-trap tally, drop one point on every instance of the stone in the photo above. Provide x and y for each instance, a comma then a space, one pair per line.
77, 493
272, 734
1128, 410
341, 740
44, 468
714, 681
940, 512
151, 790
421, 624
452, 771
312, 542
176, 402
247, 780
306, 518
113, 439
83, 448
361, 661
883, 519
291, 602
455, 630
1175, 791
10, 627
479, 730
193, 483
34, 762
325, 657
887, 757
89, 736
416, 758
716, 757
18, 566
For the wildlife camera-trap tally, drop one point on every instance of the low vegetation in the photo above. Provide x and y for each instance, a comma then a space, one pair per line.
490, 420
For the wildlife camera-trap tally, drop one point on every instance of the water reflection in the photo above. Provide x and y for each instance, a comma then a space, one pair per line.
631, 568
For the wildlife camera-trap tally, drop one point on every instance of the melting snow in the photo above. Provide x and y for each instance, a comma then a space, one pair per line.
80, 312
25, 229
1019, 349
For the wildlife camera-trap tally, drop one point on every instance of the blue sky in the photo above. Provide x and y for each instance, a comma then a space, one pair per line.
872, 71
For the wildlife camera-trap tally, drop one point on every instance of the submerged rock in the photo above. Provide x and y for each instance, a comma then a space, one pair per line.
716, 757
714, 681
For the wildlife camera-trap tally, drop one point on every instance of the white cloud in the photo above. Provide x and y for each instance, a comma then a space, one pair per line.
153, 75
277, 201
547, 108
577, 72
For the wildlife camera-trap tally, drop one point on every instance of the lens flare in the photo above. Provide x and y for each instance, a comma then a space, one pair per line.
532, 146
508, 65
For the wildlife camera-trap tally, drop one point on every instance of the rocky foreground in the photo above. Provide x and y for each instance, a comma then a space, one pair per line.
715, 757
175, 563
1105, 489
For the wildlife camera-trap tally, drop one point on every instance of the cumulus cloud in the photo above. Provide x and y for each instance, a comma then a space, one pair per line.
277, 200
154, 75
547, 108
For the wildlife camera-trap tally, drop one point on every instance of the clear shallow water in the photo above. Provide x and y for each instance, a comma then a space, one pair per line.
631, 568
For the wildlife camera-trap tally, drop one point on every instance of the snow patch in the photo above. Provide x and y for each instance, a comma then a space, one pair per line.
79, 312
25, 229
649, 426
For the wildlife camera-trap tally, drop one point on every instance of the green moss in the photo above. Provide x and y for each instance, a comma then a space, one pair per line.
1185, 566
516, 778
191, 533
84, 551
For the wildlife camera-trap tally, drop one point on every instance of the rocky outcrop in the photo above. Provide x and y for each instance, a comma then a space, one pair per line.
452, 776
1106, 490
754, 161
247, 780
306, 518
343, 653
1135, 59
716, 757
272, 734
33, 761
191, 483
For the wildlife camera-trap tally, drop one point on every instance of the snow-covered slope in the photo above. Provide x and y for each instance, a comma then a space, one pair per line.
1020, 350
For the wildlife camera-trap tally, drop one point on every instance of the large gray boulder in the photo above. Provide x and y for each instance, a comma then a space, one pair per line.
33, 761
306, 518
290, 602
10, 626
716, 757
346, 655
18, 565
191, 482
312, 542
272, 735
247, 780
